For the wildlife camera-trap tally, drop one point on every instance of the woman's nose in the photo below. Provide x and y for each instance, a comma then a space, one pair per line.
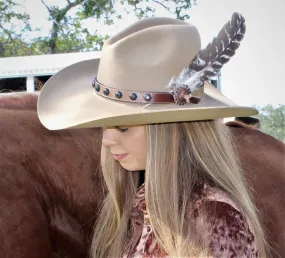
109, 137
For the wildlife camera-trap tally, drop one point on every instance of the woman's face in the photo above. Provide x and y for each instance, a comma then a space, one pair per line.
128, 145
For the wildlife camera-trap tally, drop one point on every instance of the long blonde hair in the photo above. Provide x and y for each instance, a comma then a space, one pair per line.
179, 156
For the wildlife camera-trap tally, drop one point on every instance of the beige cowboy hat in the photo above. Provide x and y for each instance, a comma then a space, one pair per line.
143, 77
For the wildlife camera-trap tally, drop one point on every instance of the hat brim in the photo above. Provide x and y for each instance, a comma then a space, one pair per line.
68, 100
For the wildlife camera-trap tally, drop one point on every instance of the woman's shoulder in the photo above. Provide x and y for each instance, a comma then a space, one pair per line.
222, 224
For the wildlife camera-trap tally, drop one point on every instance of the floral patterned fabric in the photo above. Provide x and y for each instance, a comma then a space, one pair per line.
228, 234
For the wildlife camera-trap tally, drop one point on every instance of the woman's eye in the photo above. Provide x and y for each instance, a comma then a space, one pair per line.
122, 129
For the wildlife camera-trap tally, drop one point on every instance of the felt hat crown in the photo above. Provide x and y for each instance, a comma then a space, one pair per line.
142, 77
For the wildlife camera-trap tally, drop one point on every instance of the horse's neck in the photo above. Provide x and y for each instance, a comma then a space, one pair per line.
19, 100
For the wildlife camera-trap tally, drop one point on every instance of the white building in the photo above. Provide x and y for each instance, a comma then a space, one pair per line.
28, 68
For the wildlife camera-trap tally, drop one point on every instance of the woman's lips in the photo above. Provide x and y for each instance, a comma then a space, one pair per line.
119, 156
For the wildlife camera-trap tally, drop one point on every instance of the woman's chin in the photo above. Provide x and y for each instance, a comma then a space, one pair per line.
131, 167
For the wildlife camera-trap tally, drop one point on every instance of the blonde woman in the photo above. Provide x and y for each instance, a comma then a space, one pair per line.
174, 179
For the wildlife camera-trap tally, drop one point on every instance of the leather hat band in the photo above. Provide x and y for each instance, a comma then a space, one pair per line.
134, 96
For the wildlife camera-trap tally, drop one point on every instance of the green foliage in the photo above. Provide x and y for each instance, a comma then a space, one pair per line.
7, 15
178, 8
13, 47
272, 120
67, 33
10, 34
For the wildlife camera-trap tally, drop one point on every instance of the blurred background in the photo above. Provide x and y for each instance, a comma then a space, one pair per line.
40, 37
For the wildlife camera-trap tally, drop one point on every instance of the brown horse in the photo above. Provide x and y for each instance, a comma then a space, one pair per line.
51, 187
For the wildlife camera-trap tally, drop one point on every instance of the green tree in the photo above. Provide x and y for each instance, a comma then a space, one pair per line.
67, 33
178, 8
12, 24
272, 120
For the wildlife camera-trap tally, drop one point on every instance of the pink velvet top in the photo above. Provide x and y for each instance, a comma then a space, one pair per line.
229, 234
